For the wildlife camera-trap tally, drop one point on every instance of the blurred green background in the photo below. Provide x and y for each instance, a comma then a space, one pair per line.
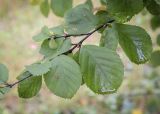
19, 21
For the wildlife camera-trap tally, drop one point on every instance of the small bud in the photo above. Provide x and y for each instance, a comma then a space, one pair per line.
52, 44
51, 33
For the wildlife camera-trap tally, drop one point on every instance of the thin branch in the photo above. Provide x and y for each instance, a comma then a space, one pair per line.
68, 35
19, 81
87, 35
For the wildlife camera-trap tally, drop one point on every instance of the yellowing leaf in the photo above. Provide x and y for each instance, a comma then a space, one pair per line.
137, 111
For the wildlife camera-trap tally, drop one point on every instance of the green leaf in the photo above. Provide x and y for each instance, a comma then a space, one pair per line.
4, 91
46, 50
90, 4
123, 10
65, 46
65, 78
62, 47
43, 35
79, 20
44, 7
109, 38
102, 17
102, 69
30, 86
155, 58
158, 1
38, 69
153, 7
40, 37
135, 42
58, 30
45, 47
46, 33
3, 73
59, 7
155, 22
76, 56
158, 39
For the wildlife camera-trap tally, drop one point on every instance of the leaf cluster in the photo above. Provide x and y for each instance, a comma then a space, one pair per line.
67, 65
